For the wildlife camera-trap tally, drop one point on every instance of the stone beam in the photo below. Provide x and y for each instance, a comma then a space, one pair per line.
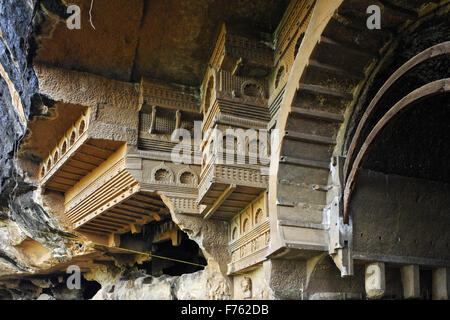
152, 92
226, 193
85, 88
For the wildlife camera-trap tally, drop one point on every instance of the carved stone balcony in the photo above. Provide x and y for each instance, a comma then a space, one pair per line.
74, 156
102, 197
234, 99
110, 200
250, 236
241, 55
243, 104
234, 90
124, 191
177, 182
227, 188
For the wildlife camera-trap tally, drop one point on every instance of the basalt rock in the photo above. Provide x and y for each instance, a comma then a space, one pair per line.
26, 226
144, 287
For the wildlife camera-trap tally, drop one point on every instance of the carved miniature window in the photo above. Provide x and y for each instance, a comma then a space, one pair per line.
49, 164
187, 177
252, 90
208, 95
162, 175
81, 128
279, 77
64, 148
43, 171
298, 44
72, 138
234, 234
246, 225
258, 216
56, 157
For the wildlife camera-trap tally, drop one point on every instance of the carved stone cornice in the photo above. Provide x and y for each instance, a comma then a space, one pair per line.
185, 205
226, 119
243, 108
169, 96
234, 52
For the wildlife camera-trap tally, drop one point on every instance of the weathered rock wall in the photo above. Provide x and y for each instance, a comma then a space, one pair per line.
31, 239
212, 238
18, 86
400, 216
140, 286
22, 249
32, 245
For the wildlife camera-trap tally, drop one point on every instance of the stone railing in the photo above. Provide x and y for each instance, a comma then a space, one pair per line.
249, 235
65, 147
256, 239
215, 171
249, 250
99, 181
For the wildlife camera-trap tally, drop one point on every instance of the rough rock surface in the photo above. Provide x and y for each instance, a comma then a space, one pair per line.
33, 249
30, 238
18, 85
140, 286
211, 236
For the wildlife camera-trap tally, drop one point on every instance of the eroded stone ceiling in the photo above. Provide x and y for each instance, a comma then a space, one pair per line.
170, 40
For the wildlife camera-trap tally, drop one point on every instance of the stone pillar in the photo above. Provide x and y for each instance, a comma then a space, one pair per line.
375, 280
440, 290
410, 281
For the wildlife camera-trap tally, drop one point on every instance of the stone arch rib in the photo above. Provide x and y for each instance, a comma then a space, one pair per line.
338, 54
432, 52
430, 89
